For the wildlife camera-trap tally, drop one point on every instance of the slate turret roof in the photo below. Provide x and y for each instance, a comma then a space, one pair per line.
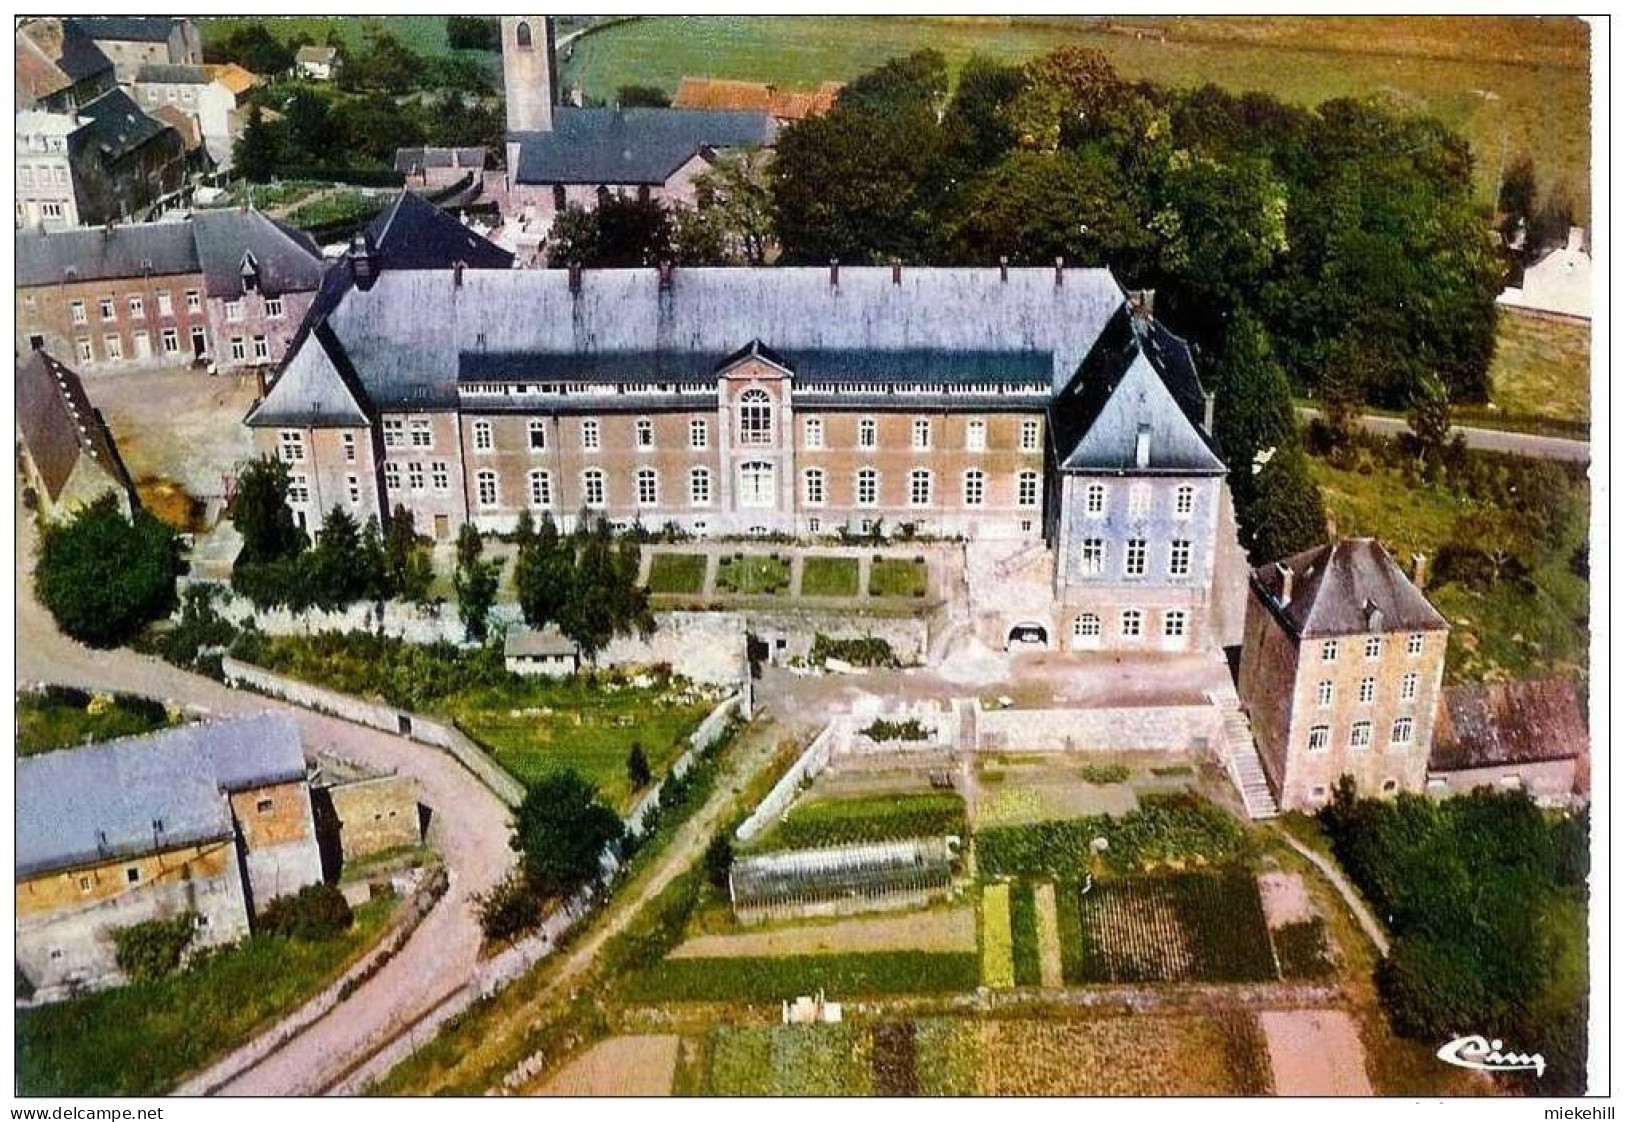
630, 146
1350, 587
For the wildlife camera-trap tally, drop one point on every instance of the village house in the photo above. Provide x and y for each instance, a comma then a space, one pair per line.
1557, 285
546, 652
132, 42
436, 168
1520, 736
1341, 665
228, 286
58, 67
210, 821
66, 453
196, 93
319, 64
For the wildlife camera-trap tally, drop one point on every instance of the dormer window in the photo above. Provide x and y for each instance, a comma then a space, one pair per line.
250, 273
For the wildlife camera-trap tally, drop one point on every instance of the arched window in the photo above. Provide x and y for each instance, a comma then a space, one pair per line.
521, 35
756, 484
648, 487
755, 418
541, 490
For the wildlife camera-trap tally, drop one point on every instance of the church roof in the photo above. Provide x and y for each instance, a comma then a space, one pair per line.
1349, 587
413, 233
630, 146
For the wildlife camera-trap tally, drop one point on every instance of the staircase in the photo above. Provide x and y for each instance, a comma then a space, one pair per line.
1241, 758
1020, 559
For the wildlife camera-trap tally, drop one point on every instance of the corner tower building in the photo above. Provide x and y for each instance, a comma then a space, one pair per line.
529, 81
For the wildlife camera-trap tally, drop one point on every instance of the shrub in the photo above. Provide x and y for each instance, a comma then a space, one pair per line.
509, 910
152, 950
719, 859
870, 650
102, 577
1302, 951
881, 730
314, 914
880, 818
1102, 774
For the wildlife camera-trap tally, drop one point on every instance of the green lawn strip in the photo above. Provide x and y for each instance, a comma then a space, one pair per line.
871, 818
1542, 368
841, 976
894, 576
59, 717
142, 1039
677, 574
829, 576
1024, 935
998, 969
746, 575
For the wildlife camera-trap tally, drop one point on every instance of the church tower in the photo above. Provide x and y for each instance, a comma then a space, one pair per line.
527, 72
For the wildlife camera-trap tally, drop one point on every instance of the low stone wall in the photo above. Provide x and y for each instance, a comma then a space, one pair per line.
1167, 728
389, 718
704, 647
908, 636
700, 740
806, 767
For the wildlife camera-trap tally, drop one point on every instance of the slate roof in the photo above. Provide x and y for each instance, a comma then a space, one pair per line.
60, 427
1508, 723
407, 336
115, 125
1137, 375
778, 102
82, 806
630, 146
288, 261
126, 29
413, 233
915, 365
1337, 587
163, 248
51, 56
409, 159
172, 74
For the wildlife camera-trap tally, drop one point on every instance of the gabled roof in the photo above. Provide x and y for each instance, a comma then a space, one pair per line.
536, 642
411, 159
312, 53
172, 74
630, 146
51, 56
286, 259
413, 233
319, 392
146, 794
59, 426
1508, 723
126, 29
115, 125
184, 123
161, 248
1137, 378
762, 97
1350, 587
238, 79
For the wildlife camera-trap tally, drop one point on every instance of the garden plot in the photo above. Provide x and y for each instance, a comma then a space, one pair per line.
1315, 1052
1021, 797
936, 929
1176, 927
873, 818
677, 574
620, 1066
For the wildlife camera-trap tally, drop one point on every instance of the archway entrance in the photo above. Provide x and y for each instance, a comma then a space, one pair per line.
1029, 635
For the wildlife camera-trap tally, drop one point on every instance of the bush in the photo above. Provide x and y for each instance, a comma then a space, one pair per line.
881, 730
509, 910
841, 976
314, 914
149, 951
1102, 774
102, 577
868, 651
719, 859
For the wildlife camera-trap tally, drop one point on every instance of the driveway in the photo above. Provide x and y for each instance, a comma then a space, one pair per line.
468, 827
1485, 440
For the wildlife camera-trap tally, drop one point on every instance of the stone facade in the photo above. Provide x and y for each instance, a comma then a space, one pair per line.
44, 172
121, 323
277, 831
1164, 728
254, 329
376, 814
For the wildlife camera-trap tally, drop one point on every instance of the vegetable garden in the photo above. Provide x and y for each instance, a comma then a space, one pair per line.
1178, 927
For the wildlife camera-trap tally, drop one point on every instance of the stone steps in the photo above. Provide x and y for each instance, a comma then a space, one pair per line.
1241, 760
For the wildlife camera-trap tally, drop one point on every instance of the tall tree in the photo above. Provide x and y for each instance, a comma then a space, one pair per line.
561, 831
255, 151
260, 513
475, 582
104, 577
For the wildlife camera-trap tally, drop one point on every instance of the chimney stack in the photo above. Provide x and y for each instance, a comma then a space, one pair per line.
1060, 264
1285, 595
834, 272
1208, 398
896, 270
575, 278
1419, 570
1140, 303
1004, 269
665, 276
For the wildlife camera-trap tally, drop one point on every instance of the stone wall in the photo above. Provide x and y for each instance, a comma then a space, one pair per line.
376, 814
790, 634
806, 767
1165, 728
1547, 782
702, 738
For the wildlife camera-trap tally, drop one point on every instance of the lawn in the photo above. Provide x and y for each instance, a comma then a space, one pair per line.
1024, 935
998, 962
868, 819
1542, 369
1512, 630
143, 1039
751, 575
896, 576
829, 576
62, 717
677, 574
339, 205
424, 34
1176, 927
1522, 80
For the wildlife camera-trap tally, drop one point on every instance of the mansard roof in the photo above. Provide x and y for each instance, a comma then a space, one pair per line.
1349, 587
630, 146
1137, 378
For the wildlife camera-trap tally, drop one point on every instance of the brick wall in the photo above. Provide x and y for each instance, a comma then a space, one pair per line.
49, 311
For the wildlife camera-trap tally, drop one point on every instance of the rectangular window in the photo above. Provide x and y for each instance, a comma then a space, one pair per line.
1373, 647
644, 434
812, 487
1132, 623
138, 308
975, 488
166, 306
1184, 501
172, 341
82, 345
1179, 559
1404, 728
76, 311
298, 489
485, 488
1360, 735
1328, 651
193, 301
1319, 737
1134, 557
1027, 488
262, 348
648, 487
866, 432
976, 436
699, 487
414, 476
541, 489
919, 488
922, 434
813, 432
1029, 436
1368, 690
422, 430
1407, 686
589, 436
239, 349
868, 487
1094, 500
1093, 558
113, 345
107, 308
392, 477
699, 435
537, 431
200, 341
292, 444
394, 432
1139, 500
482, 436
348, 441
132, 875
1173, 624
592, 488
1323, 694
440, 476
234, 311
352, 486
273, 307
1413, 645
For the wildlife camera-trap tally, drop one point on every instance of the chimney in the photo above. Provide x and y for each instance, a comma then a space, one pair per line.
1419, 570
1140, 303
665, 276
457, 274
36, 343
1208, 399
1142, 447
1577, 238
363, 261
1004, 269
835, 272
1059, 265
896, 270
575, 278
1285, 595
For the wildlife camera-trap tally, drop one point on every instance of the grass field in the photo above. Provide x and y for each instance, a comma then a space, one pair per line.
829, 576
677, 574
867, 819
142, 1039
998, 959
1523, 80
1508, 631
897, 576
1025, 953
424, 34
749, 575
1542, 369
62, 718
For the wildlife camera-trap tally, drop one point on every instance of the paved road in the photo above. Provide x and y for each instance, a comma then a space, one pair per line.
1488, 440
468, 826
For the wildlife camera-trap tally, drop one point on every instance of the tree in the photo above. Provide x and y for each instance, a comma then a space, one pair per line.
253, 47
639, 96
561, 831
473, 33
104, 577
307, 125
475, 582
1517, 199
335, 572
1501, 537
509, 910
544, 574
261, 515
1287, 514
407, 571
731, 222
254, 153
638, 773
1429, 420
719, 859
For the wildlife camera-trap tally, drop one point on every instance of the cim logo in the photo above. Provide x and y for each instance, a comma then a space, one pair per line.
1478, 1054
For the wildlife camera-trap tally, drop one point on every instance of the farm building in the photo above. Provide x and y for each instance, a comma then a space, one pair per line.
842, 879
1528, 736
547, 652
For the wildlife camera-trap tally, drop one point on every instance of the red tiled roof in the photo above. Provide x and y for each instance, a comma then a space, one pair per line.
728, 93
1509, 723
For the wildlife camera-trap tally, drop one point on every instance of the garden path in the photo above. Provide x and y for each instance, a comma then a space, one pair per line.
1351, 896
